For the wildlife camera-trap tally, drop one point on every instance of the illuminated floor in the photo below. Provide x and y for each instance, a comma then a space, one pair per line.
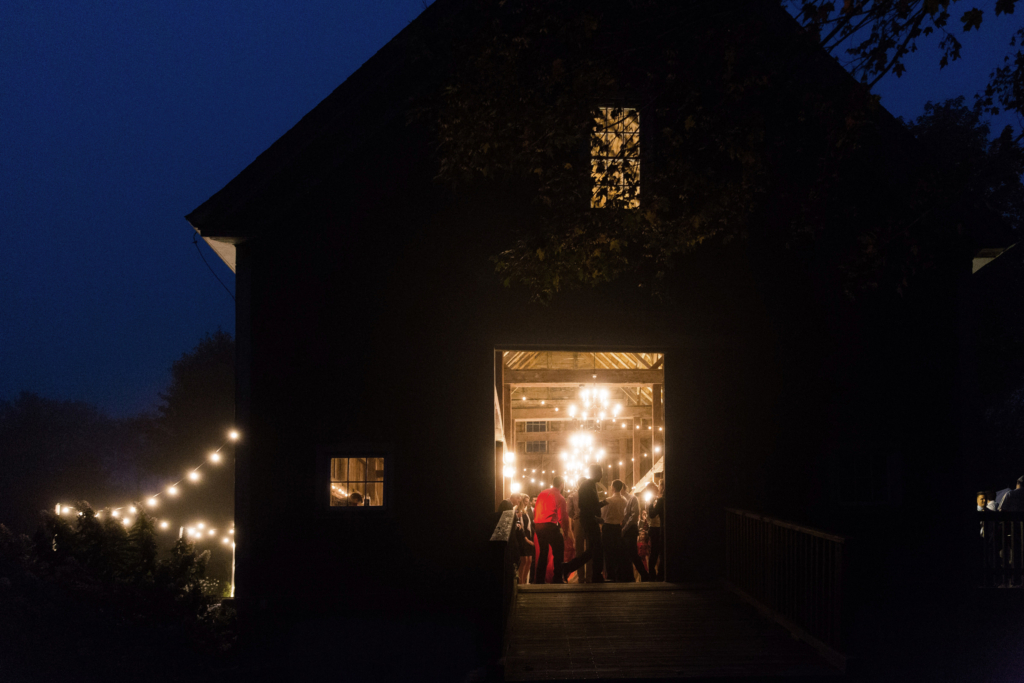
615, 631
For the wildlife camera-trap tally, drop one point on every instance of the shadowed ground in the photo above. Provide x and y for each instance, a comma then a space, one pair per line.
612, 631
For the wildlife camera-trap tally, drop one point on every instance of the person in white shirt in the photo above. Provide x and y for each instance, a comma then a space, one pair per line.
611, 534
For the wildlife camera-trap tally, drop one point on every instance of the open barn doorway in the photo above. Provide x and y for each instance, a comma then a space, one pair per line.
572, 416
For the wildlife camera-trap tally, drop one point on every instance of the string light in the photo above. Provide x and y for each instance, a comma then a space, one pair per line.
172, 490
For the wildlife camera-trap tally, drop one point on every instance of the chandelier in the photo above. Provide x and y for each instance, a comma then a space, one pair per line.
584, 422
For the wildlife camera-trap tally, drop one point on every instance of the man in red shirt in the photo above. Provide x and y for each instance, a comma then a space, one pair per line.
551, 521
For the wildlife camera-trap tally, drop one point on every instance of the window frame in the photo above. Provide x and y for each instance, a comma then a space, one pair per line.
594, 159
353, 450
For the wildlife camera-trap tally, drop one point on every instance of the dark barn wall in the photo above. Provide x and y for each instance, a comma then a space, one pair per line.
369, 312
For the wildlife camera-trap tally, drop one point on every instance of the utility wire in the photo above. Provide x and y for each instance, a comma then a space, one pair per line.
195, 241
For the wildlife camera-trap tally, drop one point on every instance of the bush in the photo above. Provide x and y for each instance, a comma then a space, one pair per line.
90, 598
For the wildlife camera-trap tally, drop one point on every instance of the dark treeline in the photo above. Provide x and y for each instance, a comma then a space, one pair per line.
65, 451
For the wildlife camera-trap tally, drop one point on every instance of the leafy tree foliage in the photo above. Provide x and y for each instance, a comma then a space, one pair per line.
57, 450
873, 38
64, 450
89, 598
527, 98
198, 406
968, 164
733, 142
194, 417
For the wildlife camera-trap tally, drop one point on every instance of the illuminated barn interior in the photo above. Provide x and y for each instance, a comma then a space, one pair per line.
557, 412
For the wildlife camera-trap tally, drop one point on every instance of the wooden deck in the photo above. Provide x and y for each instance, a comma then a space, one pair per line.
650, 631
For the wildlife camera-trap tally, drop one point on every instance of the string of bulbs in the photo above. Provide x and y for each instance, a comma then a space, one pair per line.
198, 530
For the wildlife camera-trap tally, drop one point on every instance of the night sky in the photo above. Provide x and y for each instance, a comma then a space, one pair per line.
118, 118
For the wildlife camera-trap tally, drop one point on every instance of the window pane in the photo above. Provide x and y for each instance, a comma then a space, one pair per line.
615, 157
362, 475
375, 471
357, 469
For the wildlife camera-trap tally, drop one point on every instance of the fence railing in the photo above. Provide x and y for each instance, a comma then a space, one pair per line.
504, 554
1001, 541
792, 572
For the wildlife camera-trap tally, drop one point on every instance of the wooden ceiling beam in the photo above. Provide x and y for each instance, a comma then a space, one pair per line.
545, 413
558, 378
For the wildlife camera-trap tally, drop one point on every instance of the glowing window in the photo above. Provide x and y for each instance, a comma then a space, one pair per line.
615, 158
357, 481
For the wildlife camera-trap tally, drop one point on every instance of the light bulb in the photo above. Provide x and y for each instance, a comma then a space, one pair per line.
151, 502
212, 532
233, 435
193, 475
509, 471
127, 522
215, 457
516, 486
657, 449
200, 525
164, 525
115, 513
225, 540
173, 490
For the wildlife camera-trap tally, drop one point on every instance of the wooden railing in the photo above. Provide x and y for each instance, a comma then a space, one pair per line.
1001, 549
504, 553
792, 573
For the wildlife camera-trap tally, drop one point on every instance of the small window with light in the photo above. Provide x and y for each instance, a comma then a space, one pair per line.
358, 480
615, 158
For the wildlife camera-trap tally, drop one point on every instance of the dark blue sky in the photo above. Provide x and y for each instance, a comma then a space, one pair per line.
118, 118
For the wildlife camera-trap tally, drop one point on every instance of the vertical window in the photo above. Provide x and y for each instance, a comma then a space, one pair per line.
536, 446
536, 426
357, 481
615, 158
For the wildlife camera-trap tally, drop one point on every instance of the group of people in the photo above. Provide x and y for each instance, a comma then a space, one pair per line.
1006, 500
591, 535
